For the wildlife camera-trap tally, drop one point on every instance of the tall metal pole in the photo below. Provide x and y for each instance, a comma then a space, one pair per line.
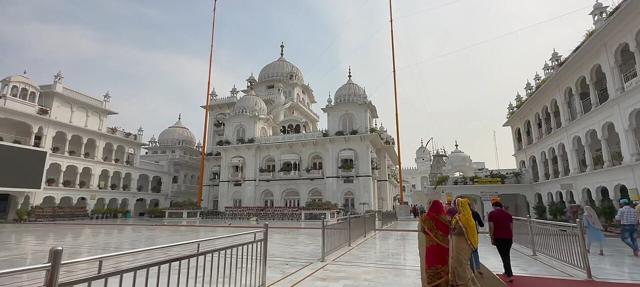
395, 95
203, 151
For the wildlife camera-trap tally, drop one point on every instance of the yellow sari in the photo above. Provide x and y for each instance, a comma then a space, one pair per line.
464, 239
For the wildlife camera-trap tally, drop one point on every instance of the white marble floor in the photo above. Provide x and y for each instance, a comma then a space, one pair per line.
386, 258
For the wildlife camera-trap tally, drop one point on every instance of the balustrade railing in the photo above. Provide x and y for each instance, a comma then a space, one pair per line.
231, 260
561, 241
630, 75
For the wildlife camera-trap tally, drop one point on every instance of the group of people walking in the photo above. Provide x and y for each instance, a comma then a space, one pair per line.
627, 216
451, 242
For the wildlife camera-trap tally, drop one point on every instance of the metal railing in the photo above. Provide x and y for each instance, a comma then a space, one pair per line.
387, 218
231, 260
561, 241
346, 230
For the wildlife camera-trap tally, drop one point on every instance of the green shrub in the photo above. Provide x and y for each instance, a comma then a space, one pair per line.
540, 211
155, 212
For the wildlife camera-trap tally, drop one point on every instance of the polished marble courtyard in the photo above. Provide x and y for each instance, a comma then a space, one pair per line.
384, 258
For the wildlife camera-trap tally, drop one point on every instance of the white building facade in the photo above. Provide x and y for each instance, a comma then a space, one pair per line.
266, 149
89, 163
576, 131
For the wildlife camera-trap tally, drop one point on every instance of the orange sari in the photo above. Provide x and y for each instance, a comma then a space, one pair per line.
435, 226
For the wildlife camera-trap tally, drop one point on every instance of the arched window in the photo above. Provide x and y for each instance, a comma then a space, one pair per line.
349, 201
267, 198
240, 133
316, 162
600, 84
584, 91
626, 62
347, 123
24, 94
518, 139
269, 165
291, 198
32, 97
14, 91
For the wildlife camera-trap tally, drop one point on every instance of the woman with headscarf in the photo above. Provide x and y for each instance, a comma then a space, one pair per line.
464, 239
594, 228
435, 227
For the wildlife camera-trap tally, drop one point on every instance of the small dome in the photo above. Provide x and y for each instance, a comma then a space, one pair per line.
20, 79
250, 104
176, 135
458, 161
350, 92
423, 151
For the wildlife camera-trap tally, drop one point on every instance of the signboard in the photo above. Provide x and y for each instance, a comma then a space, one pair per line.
488, 195
22, 167
487, 181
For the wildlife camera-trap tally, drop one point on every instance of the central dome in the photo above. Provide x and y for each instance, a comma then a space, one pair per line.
250, 104
177, 135
282, 70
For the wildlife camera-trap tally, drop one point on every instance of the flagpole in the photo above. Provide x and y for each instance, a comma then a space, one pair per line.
203, 151
395, 95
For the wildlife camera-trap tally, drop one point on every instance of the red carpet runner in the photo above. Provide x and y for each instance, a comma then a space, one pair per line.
526, 281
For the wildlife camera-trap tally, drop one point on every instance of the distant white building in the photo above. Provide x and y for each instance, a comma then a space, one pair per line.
90, 163
576, 132
266, 147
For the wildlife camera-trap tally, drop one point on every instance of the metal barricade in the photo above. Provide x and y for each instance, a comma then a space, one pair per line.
344, 231
231, 260
387, 218
561, 241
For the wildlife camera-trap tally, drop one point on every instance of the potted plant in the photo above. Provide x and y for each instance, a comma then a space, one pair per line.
339, 133
127, 162
66, 183
50, 181
251, 140
325, 133
82, 184
217, 153
240, 141
220, 143
113, 186
227, 142
373, 130
117, 160
72, 152
87, 155
353, 132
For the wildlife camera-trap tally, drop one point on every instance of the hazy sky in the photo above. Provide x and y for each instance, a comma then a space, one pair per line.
459, 62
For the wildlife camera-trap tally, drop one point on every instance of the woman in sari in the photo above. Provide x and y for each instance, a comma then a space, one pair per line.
435, 227
594, 228
464, 239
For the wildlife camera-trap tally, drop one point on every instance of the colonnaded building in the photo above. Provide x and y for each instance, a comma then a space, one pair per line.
576, 130
266, 147
90, 164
